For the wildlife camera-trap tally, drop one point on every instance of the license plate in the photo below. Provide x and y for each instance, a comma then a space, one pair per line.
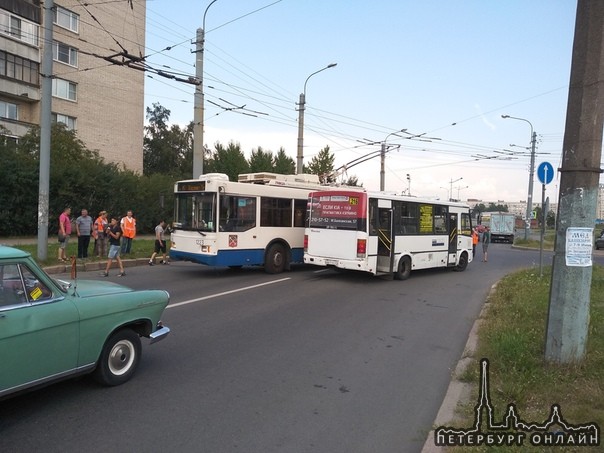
331, 262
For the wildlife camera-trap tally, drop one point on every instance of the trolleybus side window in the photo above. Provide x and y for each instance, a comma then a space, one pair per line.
275, 212
237, 213
300, 212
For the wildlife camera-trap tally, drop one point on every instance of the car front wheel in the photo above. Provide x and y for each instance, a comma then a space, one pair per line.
119, 358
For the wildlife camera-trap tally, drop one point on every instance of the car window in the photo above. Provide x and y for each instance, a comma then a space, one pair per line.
11, 286
18, 285
36, 290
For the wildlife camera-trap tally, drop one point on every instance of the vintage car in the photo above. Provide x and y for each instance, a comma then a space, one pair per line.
52, 329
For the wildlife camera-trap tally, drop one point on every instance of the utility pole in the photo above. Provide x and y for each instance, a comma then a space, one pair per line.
529, 197
45, 129
568, 316
198, 100
198, 106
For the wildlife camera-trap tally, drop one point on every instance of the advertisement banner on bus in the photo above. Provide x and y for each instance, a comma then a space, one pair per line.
337, 210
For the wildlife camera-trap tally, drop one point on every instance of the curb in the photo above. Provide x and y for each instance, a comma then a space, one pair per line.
458, 392
93, 266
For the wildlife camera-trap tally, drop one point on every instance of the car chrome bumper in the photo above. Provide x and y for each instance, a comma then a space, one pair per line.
161, 333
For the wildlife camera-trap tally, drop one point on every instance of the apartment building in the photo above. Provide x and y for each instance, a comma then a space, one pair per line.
94, 91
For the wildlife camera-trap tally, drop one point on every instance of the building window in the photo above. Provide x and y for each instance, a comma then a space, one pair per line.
68, 121
64, 89
65, 54
67, 19
8, 110
18, 28
19, 68
15, 27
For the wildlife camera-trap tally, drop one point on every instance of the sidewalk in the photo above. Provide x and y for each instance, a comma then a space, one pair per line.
82, 265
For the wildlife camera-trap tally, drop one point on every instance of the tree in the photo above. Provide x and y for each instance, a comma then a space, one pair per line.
229, 160
167, 149
322, 164
283, 164
261, 161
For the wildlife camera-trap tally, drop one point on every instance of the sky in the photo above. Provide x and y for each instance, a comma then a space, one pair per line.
443, 70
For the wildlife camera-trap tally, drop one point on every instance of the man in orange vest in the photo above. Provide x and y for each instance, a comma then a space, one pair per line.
128, 225
474, 241
100, 226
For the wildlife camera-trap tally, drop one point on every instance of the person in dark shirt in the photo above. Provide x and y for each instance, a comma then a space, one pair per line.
114, 233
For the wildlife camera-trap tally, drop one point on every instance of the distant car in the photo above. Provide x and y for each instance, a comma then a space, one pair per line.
52, 329
600, 242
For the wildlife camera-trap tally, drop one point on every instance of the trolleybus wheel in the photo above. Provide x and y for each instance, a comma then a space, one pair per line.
275, 259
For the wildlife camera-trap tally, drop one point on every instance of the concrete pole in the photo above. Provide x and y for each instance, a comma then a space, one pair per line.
45, 129
300, 156
568, 316
382, 166
198, 101
198, 104
302, 104
529, 197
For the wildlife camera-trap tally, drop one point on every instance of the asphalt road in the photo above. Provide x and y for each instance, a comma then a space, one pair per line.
306, 361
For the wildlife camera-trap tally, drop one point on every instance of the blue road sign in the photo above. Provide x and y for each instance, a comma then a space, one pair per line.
545, 172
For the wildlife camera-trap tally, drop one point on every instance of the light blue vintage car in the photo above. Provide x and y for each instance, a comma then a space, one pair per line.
51, 329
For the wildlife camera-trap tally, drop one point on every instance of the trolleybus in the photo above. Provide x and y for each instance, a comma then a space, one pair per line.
258, 220
378, 233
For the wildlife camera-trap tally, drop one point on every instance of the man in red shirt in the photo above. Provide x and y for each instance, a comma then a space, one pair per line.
64, 232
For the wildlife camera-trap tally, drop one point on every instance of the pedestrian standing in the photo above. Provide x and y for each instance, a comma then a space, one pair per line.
64, 232
486, 239
474, 242
114, 233
160, 244
128, 225
100, 226
84, 225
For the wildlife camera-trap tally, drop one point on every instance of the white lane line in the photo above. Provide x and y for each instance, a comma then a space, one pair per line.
212, 296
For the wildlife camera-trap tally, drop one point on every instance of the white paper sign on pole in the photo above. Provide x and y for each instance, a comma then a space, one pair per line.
579, 245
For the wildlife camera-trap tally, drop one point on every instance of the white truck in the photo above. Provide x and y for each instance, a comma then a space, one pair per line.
501, 225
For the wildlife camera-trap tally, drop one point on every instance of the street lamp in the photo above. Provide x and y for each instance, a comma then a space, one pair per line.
451, 187
198, 100
460, 188
529, 198
383, 159
302, 103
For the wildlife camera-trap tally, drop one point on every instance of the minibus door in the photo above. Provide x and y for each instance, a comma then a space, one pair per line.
452, 261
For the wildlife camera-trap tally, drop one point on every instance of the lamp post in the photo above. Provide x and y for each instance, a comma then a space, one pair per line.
383, 160
302, 103
529, 198
451, 187
459, 188
198, 100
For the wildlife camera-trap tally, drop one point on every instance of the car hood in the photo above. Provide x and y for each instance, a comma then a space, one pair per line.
88, 288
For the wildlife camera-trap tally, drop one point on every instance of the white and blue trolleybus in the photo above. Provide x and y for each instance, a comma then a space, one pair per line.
258, 220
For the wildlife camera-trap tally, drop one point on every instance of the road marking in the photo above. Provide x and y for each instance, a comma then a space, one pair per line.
212, 296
